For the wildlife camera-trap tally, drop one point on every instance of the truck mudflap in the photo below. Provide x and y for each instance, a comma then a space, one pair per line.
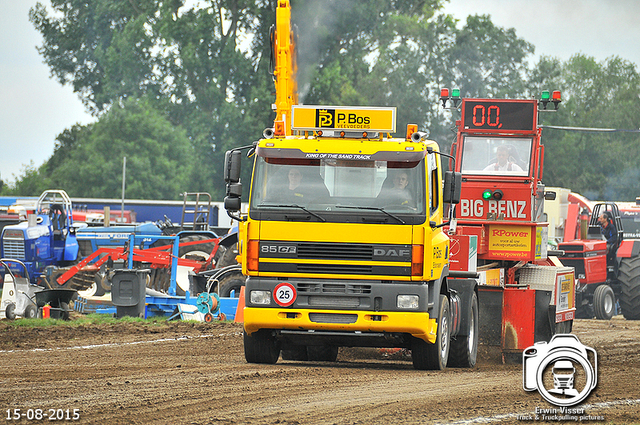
416, 324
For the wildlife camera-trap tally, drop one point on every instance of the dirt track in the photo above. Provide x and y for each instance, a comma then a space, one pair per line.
184, 373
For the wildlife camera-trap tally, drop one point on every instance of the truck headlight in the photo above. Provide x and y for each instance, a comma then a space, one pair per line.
408, 301
260, 297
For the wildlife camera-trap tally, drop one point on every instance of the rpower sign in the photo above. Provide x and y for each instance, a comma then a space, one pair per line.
315, 118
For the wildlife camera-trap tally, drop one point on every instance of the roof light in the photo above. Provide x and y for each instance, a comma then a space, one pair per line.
411, 128
556, 98
544, 98
342, 134
365, 134
455, 97
278, 128
444, 96
320, 133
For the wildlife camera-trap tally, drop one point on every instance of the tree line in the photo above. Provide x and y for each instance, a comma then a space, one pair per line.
172, 87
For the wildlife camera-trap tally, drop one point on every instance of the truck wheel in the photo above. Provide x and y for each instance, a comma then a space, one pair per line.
30, 312
464, 349
261, 347
604, 302
629, 278
322, 353
428, 356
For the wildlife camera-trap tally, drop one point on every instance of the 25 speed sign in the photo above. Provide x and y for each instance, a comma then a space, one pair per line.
284, 294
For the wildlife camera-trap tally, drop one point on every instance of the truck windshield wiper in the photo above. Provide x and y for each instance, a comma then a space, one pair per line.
373, 209
319, 217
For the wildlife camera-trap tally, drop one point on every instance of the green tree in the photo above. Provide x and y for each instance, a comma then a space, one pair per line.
205, 68
158, 156
604, 95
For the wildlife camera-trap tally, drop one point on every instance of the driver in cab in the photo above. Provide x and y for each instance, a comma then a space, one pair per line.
504, 161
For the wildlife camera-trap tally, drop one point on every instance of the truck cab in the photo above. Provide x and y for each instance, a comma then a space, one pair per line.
342, 244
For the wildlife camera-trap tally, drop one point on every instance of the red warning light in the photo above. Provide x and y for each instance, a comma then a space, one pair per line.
556, 95
444, 93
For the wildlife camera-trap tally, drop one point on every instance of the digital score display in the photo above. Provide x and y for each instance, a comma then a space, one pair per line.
499, 115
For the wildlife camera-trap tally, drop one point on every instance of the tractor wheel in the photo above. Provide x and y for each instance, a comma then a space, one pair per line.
464, 349
202, 250
261, 347
629, 278
604, 302
231, 283
428, 356
226, 256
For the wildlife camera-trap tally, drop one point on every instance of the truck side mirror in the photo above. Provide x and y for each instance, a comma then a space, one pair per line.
452, 187
232, 166
232, 202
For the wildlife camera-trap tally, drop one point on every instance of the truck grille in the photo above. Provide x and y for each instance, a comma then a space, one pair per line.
332, 288
572, 248
333, 318
341, 302
334, 268
335, 258
335, 251
13, 249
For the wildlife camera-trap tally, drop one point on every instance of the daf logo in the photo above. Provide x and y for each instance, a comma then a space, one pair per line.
380, 252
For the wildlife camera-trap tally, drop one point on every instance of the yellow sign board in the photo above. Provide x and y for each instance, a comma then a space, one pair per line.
314, 118
512, 242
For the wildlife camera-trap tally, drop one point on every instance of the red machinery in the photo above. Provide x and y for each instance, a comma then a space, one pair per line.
602, 283
525, 295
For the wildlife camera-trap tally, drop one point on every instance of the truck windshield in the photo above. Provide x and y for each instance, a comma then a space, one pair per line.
331, 188
496, 155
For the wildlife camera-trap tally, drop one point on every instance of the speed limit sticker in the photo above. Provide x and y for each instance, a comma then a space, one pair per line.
284, 294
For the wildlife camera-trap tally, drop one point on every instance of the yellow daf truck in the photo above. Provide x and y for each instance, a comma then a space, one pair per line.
342, 243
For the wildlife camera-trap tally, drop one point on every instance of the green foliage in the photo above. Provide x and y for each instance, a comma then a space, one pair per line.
606, 95
174, 87
88, 161
85, 320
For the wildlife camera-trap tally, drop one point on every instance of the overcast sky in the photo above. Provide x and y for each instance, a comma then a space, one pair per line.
34, 109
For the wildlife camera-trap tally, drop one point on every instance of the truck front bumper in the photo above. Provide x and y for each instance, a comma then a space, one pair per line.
356, 322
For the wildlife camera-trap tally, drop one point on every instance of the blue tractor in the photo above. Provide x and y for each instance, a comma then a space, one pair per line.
46, 239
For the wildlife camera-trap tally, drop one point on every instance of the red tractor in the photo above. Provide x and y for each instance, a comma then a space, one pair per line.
606, 284
525, 294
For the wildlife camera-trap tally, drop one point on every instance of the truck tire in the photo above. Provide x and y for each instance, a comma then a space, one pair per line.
428, 356
604, 302
464, 349
629, 278
261, 347
322, 353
